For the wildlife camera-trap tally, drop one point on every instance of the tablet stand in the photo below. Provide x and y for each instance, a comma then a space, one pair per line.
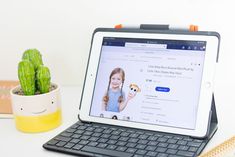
213, 121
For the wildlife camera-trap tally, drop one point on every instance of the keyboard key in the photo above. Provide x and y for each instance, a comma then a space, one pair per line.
162, 144
185, 153
171, 151
120, 148
131, 131
143, 137
75, 140
173, 141
106, 151
94, 139
114, 137
131, 150
121, 143
98, 130
168, 136
61, 138
181, 142
76, 136
66, 134
158, 135
131, 145
140, 132
83, 142
161, 149
183, 147
151, 148
162, 139
152, 143
178, 137
96, 126
137, 155
122, 129
90, 129
140, 146
102, 145
88, 133
112, 142
142, 141
192, 149
115, 132
103, 140
134, 135
173, 146
113, 128
188, 139
96, 134
87, 124
162, 155
74, 126
61, 144
77, 146
174, 156
79, 131
104, 127
93, 144
82, 127
197, 140
149, 134
84, 137
152, 138
105, 135
124, 138
70, 130
108, 131
133, 140
112, 147
52, 142
69, 145
194, 144
125, 134
141, 152
150, 153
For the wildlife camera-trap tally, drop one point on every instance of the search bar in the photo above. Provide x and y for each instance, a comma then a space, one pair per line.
144, 45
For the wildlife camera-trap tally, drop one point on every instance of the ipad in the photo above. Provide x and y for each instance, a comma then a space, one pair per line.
152, 80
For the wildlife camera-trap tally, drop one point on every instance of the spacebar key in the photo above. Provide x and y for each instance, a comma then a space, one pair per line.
105, 152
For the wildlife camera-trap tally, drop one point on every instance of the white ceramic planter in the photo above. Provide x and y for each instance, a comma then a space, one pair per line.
37, 113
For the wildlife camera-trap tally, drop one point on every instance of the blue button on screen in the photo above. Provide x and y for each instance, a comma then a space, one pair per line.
162, 89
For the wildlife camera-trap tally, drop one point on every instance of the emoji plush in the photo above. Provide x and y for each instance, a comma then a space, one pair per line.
134, 89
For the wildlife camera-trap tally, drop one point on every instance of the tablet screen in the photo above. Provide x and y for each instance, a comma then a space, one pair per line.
150, 81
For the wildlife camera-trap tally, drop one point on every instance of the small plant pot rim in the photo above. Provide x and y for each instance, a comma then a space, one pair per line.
17, 88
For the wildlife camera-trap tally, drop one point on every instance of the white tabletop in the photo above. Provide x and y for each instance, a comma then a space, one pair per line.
16, 143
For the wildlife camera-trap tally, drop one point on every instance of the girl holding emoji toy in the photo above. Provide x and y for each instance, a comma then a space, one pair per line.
114, 98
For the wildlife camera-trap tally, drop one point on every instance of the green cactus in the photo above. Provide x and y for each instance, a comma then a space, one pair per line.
43, 78
32, 74
26, 75
34, 56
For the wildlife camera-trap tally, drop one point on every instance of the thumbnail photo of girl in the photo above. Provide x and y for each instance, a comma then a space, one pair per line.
114, 99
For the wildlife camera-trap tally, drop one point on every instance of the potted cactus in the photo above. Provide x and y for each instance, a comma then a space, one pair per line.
36, 101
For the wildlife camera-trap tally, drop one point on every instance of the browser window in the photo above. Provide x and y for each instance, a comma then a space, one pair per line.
149, 81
